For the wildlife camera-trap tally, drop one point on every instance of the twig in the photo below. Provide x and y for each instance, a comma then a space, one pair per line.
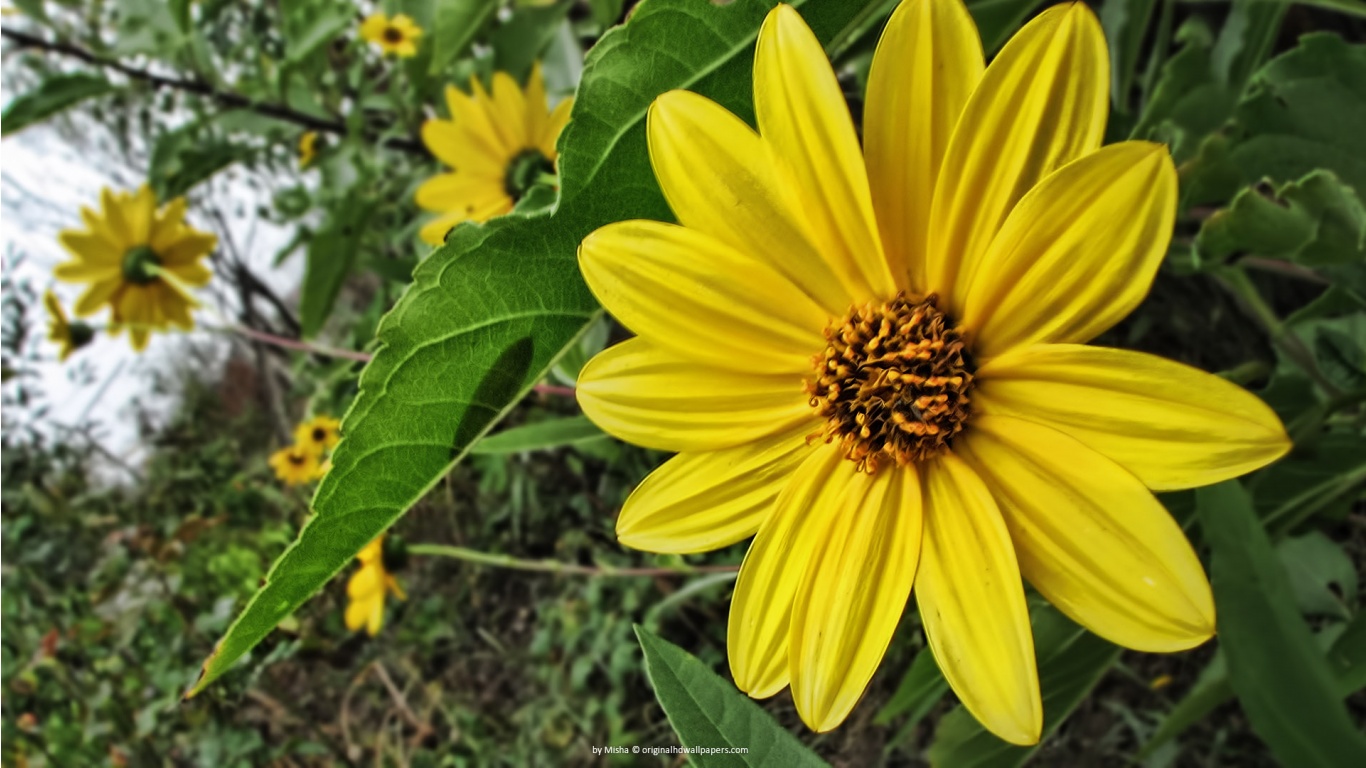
226, 98
556, 566
424, 729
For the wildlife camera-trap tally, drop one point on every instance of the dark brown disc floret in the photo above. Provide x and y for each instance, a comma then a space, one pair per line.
892, 383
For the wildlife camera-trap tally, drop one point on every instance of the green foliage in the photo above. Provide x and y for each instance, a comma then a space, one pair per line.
552, 433
1280, 675
707, 712
53, 95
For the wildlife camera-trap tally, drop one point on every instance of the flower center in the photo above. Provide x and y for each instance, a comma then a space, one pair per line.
319, 434
140, 265
524, 170
393, 35
892, 383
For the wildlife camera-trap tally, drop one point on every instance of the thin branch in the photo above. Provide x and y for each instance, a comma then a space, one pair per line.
226, 98
557, 566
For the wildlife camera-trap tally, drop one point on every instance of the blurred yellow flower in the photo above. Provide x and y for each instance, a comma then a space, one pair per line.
68, 336
367, 587
318, 434
934, 290
296, 465
397, 35
140, 261
497, 147
308, 148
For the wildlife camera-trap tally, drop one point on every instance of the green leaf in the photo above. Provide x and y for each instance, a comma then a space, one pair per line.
921, 689
457, 24
190, 155
1348, 656
518, 43
997, 20
490, 312
1246, 40
606, 12
540, 436
1315, 221
311, 24
1282, 680
1125, 23
706, 711
330, 258
1322, 576
54, 94
1071, 662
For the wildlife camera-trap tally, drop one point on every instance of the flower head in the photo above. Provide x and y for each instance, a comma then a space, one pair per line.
68, 336
296, 465
367, 587
318, 434
308, 148
139, 260
871, 359
497, 146
395, 35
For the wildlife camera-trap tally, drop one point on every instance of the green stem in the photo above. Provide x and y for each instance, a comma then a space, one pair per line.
1237, 282
556, 566
1243, 373
1306, 504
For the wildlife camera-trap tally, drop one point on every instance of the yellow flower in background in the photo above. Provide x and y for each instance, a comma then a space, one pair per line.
308, 148
296, 465
318, 434
367, 587
496, 145
139, 260
397, 35
67, 335
873, 362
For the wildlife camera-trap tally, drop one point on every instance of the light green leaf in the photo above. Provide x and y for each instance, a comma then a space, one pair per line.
554, 433
1315, 221
490, 312
1282, 680
331, 256
707, 711
1071, 662
54, 94
311, 24
457, 24
189, 155
1322, 576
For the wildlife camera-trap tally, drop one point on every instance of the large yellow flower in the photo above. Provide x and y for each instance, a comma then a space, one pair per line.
873, 363
140, 261
497, 146
397, 35
68, 336
367, 587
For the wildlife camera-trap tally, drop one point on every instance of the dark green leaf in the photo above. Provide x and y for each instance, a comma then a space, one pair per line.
921, 689
1315, 221
1322, 576
1281, 678
707, 711
997, 20
1348, 656
490, 312
1125, 23
1071, 662
311, 24
519, 43
53, 95
189, 155
457, 24
330, 258
1210, 690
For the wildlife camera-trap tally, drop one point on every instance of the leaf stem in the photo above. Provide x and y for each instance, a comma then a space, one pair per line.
556, 566
1237, 282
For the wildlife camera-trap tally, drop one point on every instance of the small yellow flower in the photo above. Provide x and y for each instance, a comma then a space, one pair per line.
296, 465
308, 148
397, 35
68, 336
497, 146
934, 288
319, 434
140, 261
367, 587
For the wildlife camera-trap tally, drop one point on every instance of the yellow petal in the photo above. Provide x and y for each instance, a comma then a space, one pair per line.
761, 609
97, 295
701, 299
972, 603
192, 273
927, 63
434, 232
536, 109
697, 502
87, 271
358, 612
1077, 254
559, 117
801, 112
1091, 538
852, 597
373, 27
511, 109
366, 581
464, 147
457, 191
139, 213
1171, 425
720, 178
1040, 105
649, 396
503, 134
90, 247
192, 245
